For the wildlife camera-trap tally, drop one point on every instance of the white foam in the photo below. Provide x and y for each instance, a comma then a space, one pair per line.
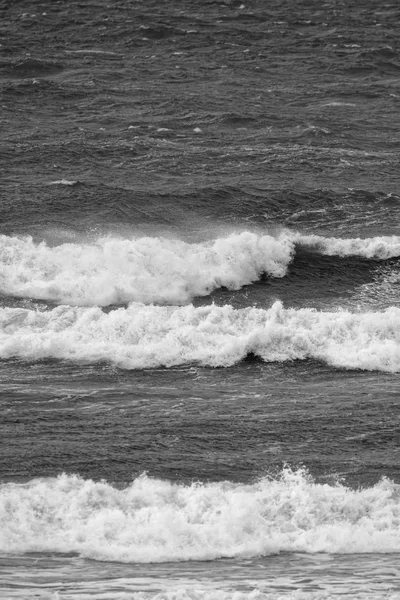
145, 336
381, 247
155, 269
148, 269
157, 521
339, 104
63, 182
87, 51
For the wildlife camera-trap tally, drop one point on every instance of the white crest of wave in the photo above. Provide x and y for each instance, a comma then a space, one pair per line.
157, 521
161, 270
64, 182
381, 247
148, 269
145, 336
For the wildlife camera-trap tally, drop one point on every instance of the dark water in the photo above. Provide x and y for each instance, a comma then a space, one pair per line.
199, 306
195, 423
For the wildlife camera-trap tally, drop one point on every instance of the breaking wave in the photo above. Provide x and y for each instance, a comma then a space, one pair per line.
160, 270
381, 247
146, 336
148, 269
158, 521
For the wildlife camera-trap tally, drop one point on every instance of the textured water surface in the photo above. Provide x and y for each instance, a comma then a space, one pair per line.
199, 307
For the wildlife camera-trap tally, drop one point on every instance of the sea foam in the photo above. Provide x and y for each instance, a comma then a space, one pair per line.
148, 269
157, 521
160, 270
146, 336
381, 247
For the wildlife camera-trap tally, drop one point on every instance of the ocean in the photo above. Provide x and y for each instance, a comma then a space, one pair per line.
199, 299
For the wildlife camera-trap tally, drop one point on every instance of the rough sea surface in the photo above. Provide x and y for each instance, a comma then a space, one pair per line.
199, 299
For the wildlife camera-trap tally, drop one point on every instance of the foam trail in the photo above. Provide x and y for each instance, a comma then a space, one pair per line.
63, 182
142, 336
148, 269
157, 521
160, 270
381, 248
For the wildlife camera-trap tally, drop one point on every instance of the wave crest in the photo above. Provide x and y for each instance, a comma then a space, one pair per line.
381, 247
160, 270
148, 269
156, 521
143, 336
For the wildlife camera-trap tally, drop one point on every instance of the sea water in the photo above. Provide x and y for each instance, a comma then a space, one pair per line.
199, 310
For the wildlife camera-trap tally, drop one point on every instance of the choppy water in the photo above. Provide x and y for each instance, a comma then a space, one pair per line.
199, 307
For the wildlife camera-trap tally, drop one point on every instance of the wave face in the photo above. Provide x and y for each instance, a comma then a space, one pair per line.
143, 336
159, 521
160, 270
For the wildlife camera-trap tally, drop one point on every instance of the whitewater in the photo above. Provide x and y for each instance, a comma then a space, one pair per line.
142, 336
156, 521
112, 270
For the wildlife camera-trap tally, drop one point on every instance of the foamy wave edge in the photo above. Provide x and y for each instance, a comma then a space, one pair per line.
146, 336
152, 520
160, 270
